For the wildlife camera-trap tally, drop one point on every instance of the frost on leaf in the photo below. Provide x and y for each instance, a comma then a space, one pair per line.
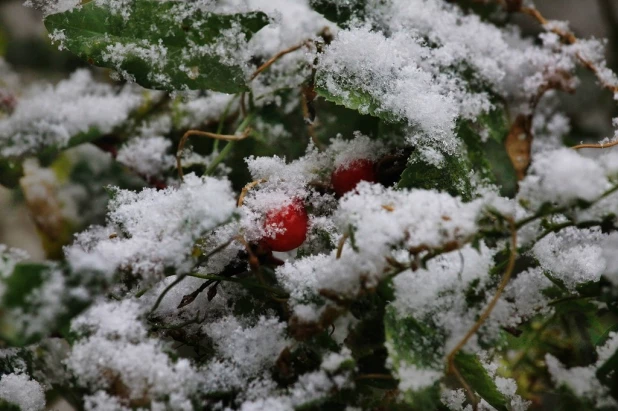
161, 44
74, 111
153, 230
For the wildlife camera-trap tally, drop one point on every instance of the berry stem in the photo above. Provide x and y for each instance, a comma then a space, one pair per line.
242, 128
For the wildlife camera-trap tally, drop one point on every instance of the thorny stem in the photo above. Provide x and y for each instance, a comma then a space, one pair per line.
503, 283
570, 39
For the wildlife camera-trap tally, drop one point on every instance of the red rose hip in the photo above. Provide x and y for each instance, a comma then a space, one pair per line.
291, 222
345, 178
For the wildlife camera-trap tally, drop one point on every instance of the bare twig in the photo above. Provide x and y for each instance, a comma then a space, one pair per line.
246, 189
341, 244
166, 290
189, 133
599, 145
276, 57
486, 313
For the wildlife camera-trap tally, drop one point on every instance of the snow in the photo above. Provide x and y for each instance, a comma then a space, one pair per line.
20, 390
49, 116
52, 6
249, 350
412, 219
582, 381
425, 65
573, 256
415, 379
148, 156
144, 369
563, 176
154, 229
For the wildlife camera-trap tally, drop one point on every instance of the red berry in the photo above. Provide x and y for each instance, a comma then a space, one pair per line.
345, 178
293, 220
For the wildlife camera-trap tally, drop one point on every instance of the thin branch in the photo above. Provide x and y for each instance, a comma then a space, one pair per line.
246, 189
341, 244
599, 145
487, 312
274, 291
570, 39
189, 133
167, 289
276, 57
245, 129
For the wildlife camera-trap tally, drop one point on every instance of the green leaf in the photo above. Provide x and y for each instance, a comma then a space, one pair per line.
355, 99
475, 374
10, 173
452, 175
339, 12
488, 155
8, 406
608, 366
25, 278
413, 344
162, 45
25, 299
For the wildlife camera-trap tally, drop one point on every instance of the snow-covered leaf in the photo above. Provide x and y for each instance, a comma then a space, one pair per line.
160, 44
416, 358
473, 372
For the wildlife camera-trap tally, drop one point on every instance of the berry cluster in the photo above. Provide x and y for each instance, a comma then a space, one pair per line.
291, 221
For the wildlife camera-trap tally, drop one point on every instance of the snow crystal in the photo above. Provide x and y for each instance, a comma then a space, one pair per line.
144, 369
112, 320
361, 147
523, 298
572, 255
563, 176
52, 6
199, 110
148, 156
581, 380
152, 230
45, 304
611, 257
360, 57
419, 293
50, 116
608, 349
20, 390
102, 401
247, 350
414, 378
381, 219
